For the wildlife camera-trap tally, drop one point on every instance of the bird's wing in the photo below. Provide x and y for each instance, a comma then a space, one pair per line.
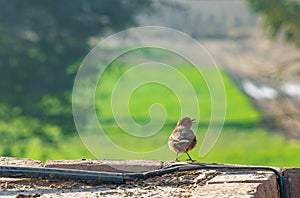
182, 137
183, 134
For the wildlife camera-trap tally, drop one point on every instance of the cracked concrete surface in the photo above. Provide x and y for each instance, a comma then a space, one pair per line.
204, 183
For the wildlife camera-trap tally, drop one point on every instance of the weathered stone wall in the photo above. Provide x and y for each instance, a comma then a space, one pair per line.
293, 174
196, 183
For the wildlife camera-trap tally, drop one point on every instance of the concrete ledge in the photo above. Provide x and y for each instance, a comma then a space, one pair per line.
193, 183
123, 166
11, 161
241, 183
293, 174
268, 188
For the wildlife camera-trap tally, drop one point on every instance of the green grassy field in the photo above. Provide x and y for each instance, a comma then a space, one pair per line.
243, 140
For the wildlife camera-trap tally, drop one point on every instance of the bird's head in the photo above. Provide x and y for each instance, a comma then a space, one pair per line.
186, 121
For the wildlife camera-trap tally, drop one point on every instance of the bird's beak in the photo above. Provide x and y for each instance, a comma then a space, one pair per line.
193, 120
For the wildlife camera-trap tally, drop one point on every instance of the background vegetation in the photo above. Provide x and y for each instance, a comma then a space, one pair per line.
42, 44
280, 17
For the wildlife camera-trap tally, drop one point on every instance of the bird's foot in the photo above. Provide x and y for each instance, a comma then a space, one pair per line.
191, 160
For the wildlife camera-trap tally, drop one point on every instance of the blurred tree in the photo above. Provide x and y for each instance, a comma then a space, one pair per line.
40, 40
280, 16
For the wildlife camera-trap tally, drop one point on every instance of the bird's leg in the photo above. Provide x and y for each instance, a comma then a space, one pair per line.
189, 157
176, 158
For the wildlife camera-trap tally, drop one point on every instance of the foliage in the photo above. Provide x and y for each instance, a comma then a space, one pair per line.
242, 140
280, 16
41, 46
41, 39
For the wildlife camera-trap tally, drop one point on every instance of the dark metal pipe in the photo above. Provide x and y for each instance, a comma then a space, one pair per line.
63, 174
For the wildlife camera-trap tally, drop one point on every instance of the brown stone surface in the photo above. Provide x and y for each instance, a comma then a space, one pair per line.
124, 166
268, 188
241, 183
294, 178
196, 183
10, 161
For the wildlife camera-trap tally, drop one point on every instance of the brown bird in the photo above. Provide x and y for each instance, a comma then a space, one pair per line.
183, 138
